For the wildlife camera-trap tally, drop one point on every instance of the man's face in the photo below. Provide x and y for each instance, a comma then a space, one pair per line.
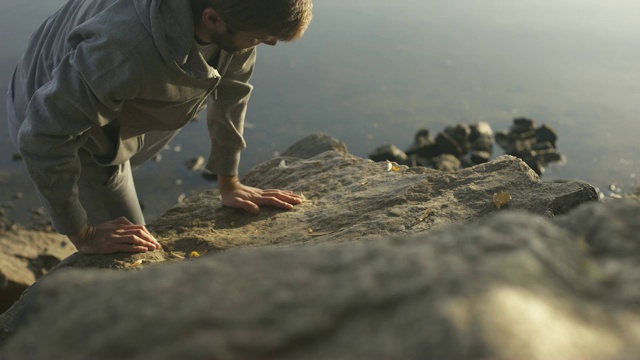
237, 42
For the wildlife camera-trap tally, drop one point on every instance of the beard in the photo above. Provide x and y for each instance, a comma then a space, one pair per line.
226, 43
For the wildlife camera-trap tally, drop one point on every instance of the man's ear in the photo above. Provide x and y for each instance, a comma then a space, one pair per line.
213, 21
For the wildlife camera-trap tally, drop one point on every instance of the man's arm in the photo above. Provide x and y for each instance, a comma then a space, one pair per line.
86, 90
225, 118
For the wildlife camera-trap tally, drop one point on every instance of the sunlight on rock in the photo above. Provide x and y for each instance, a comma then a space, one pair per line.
517, 316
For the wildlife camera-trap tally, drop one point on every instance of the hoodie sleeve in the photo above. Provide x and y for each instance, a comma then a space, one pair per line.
86, 89
226, 113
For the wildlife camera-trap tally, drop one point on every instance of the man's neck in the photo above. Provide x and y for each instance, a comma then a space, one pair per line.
200, 34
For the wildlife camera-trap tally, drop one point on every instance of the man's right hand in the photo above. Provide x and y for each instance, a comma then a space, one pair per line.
119, 235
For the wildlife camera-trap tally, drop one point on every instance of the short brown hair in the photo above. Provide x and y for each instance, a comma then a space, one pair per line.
285, 19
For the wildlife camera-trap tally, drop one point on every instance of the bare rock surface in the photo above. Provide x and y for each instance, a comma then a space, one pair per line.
380, 261
27, 255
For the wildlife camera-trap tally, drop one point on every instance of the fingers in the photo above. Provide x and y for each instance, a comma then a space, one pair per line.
121, 220
250, 199
248, 206
280, 199
142, 232
119, 235
139, 236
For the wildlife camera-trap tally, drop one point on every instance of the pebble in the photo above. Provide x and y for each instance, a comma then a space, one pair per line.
196, 164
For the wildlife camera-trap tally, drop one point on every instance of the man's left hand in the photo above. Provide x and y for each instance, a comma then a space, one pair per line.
250, 199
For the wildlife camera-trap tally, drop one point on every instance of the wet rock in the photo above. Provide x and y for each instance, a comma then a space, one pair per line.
470, 144
502, 139
446, 162
536, 146
523, 125
447, 144
547, 134
481, 138
460, 133
390, 153
480, 157
424, 145
313, 145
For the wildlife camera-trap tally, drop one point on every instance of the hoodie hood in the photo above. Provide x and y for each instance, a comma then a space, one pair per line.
170, 23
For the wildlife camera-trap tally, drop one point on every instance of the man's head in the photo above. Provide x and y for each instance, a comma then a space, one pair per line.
236, 25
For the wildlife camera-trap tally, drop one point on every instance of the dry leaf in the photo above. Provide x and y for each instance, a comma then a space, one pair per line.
176, 255
194, 254
425, 216
501, 200
135, 264
395, 168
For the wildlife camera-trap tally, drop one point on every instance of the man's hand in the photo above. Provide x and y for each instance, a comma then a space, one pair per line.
119, 235
236, 195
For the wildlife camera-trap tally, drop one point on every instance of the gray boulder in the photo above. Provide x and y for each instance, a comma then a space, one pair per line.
26, 256
379, 262
509, 286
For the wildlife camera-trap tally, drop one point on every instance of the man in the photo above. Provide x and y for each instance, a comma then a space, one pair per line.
105, 84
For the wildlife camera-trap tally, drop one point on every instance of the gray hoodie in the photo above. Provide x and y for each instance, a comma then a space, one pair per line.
99, 74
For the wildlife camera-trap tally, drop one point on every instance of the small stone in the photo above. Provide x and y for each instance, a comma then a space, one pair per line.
549, 156
546, 133
177, 148
480, 157
422, 143
16, 157
182, 198
157, 158
18, 196
448, 145
502, 138
523, 124
481, 128
446, 162
389, 152
196, 164
460, 133
179, 182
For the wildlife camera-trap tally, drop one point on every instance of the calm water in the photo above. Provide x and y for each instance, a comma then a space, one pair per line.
373, 72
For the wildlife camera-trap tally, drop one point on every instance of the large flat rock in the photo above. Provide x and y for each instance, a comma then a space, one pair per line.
380, 261
349, 198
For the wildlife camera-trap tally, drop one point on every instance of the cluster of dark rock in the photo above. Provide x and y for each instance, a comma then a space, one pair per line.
535, 145
463, 146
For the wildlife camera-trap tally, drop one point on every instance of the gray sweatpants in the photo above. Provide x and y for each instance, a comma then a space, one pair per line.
105, 192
